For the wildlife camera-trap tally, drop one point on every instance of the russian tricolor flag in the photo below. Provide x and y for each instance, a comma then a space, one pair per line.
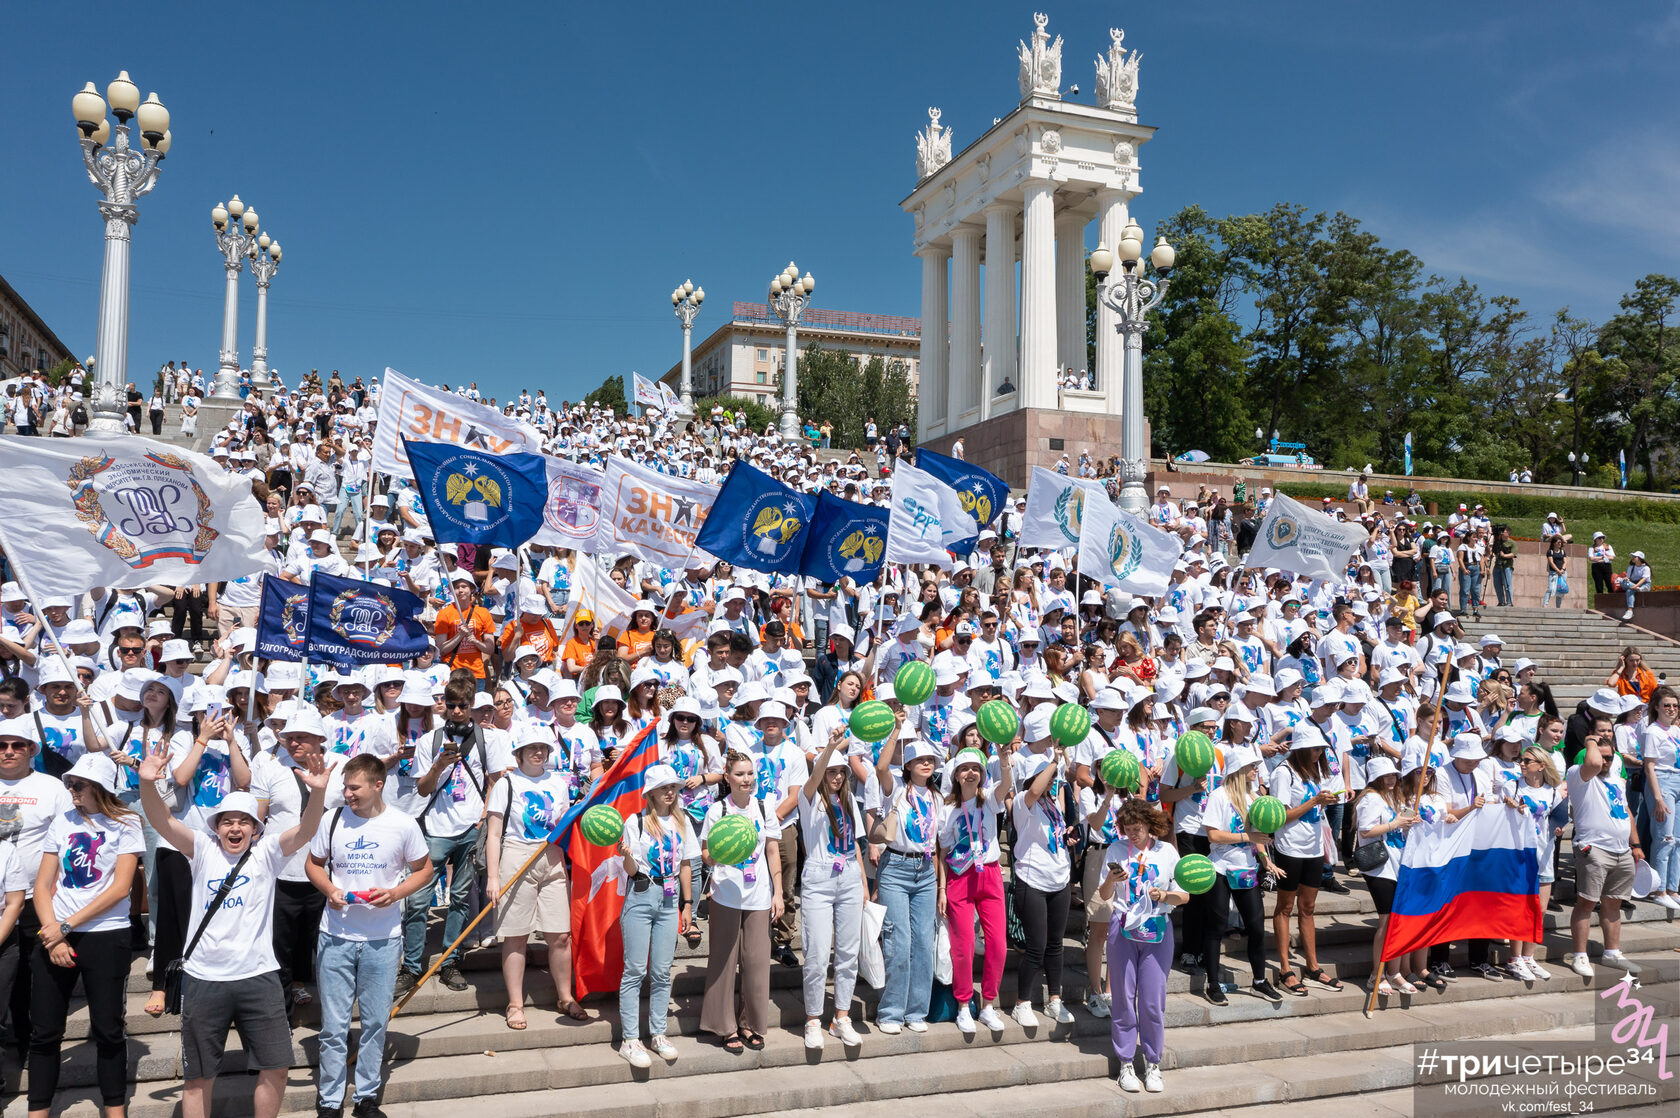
1476, 879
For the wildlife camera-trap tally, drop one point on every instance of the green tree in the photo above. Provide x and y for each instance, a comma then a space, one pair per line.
610, 395
1643, 344
757, 415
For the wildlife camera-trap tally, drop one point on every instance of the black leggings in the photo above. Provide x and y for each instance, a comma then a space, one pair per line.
1044, 916
297, 924
1198, 916
102, 965
174, 899
1251, 908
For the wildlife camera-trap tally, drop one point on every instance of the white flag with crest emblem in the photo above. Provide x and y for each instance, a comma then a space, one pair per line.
1293, 537
1055, 508
1125, 551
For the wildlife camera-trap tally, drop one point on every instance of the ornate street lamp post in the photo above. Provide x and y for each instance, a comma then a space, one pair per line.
789, 296
233, 244
1131, 297
265, 261
122, 174
686, 299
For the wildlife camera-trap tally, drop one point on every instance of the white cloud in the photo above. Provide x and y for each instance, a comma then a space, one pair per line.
1627, 184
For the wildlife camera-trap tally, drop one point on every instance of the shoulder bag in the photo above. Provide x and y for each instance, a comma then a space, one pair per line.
175, 972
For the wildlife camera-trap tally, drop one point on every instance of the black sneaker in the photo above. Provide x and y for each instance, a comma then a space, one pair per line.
1216, 994
1266, 990
1189, 962
406, 981
1334, 886
367, 1108
785, 956
1445, 973
322, 1110
452, 977
1489, 972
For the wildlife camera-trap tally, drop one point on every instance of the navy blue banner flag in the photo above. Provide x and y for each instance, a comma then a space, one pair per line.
479, 498
282, 619
757, 522
982, 492
846, 540
354, 622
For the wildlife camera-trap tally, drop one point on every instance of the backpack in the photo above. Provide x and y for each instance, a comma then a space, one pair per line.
80, 416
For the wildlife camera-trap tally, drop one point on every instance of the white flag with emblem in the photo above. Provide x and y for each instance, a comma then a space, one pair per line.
672, 401
427, 414
123, 512
1295, 538
925, 514
1125, 551
650, 515
647, 393
1055, 508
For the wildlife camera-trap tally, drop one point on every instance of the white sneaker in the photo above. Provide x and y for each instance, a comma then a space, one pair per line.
991, 1019
637, 1056
1628, 616
1152, 1078
1024, 1015
965, 1022
916, 1026
890, 1028
1614, 958
842, 1031
1096, 1005
1667, 901
1129, 1082
1519, 967
1536, 969
1581, 965
813, 1035
1057, 1012
663, 1048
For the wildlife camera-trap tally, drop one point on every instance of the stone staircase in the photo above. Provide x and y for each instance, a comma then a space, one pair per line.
449, 1050
1574, 648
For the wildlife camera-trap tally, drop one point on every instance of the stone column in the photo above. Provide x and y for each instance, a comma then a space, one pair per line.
1037, 378
1070, 292
1111, 217
998, 359
963, 391
931, 379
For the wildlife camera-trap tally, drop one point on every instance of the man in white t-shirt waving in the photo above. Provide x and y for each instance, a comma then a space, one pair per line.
1606, 848
357, 859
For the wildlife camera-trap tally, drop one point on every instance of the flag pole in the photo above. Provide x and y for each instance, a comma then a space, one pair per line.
448, 951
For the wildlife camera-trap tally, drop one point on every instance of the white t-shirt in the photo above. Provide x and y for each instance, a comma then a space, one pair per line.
239, 940
829, 851
746, 887
365, 732
14, 875
1373, 811
1041, 855
211, 781
87, 849
367, 853
1659, 745
456, 801
530, 807
918, 819
1302, 837
662, 857
28, 807
1143, 919
1536, 803
968, 834
1187, 813
578, 751
1221, 813
1600, 810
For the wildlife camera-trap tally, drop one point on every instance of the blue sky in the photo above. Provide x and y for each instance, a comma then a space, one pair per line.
508, 193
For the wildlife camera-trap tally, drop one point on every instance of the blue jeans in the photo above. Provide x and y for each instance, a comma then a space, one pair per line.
361, 973
1504, 585
1469, 590
1630, 593
908, 888
348, 503
649, 927
456, 853
1665, 836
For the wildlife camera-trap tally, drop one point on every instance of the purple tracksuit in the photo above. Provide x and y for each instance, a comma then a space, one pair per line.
1137, 973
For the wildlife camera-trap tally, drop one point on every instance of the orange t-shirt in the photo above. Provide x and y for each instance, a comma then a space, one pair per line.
539, 634
634, 643
466, 655
581, 651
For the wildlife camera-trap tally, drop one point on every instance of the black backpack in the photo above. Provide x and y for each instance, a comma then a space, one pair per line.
80, 416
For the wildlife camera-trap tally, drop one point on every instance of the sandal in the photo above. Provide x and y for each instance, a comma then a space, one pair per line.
1384, 989
155, 1004
732, 1044
516, 1018
754, 1041
1317, 975
1404, 985
573, 1010
1292, 983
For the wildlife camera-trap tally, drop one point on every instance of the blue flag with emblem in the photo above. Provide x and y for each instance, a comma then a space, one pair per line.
475, 497
846, 540
982, 492
282, 619
757, 522
353, 622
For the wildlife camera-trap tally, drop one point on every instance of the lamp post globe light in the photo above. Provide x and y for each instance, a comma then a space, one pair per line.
1577, 466
122, 173
686, 300
265, 261
1131, 296
790, 294
236, 235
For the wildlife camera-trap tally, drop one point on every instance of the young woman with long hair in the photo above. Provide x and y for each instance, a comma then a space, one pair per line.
1379, 812
658, 845
696, 759
1658, 747
832, 892
908, 882
641, 702
1042, 871
607, 718
971, 881
1536, 797
415, 720
745, 899
1419, 790
1299, 853
1242, 857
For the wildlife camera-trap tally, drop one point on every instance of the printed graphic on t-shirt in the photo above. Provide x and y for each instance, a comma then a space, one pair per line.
78, 859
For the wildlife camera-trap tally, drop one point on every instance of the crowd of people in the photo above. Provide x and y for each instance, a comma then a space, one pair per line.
269, 834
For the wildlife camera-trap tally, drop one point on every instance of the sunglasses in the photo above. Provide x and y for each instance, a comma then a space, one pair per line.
130, 651
457, 706
685, 718
76, 785
14, 746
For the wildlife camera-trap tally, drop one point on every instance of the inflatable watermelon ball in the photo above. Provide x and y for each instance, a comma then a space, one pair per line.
1120, 771
1194, 754
997, 721
1070, 725
732, 840
914, 683
601, 826
871, 721
1267, 815
1195, 874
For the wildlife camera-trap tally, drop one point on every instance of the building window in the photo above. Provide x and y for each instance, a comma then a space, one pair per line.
763, 377
763, 354
762, 397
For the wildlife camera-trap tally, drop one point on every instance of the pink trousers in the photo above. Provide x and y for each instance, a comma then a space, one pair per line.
980, 888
